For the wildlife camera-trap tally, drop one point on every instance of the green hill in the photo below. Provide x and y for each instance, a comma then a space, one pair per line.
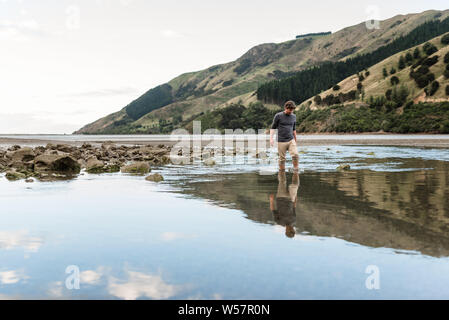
405, 93
197, 94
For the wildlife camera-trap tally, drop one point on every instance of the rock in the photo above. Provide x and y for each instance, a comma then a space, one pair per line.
65, 148
136, 168
56, 163
94, 165
29, 180
23, 155
261, 155
210, 162
14, 148
344, 167
13, 175
155, 178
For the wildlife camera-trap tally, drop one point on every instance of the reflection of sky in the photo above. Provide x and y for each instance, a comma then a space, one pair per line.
132, 242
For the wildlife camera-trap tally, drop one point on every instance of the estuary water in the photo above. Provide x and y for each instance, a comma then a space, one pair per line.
239, 230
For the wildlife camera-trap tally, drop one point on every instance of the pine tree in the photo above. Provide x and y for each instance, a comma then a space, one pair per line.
417, 53
401, 64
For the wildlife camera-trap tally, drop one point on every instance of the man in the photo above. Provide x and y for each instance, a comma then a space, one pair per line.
285, 124
284, 208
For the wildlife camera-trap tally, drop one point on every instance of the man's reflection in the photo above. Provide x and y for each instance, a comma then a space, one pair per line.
284, 207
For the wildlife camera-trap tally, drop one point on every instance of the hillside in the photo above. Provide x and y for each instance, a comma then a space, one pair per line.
193, 94
405, 93
377, 80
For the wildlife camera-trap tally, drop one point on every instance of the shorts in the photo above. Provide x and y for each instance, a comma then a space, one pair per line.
291, 147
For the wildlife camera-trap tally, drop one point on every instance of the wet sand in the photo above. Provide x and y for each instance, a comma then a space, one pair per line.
308, 140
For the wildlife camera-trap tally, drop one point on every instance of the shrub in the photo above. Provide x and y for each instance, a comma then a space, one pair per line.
423, 70
367, 73
361, 77
429, 48
417, 53
359, 86
408, 57
447, 90
430, 61
421, 81
434, 88
336, 87
446, 58
392, 70
317, 99
401, 64
399, 95
385, 72
445, 39
430, 77
394, 80
388, 94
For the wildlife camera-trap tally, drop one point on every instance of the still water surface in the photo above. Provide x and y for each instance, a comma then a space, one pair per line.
226, 232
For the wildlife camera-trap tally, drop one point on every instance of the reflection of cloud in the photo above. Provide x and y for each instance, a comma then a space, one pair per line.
172, 236
141, 285
11, 277
91, 277
10, 240
55, 289
20, 30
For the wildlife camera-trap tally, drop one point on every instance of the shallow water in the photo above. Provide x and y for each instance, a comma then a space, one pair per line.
209, 233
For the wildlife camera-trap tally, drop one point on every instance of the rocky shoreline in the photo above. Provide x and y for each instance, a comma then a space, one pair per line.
64, 161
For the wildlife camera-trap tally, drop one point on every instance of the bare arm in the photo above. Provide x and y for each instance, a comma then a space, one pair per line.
272, 133
294, 135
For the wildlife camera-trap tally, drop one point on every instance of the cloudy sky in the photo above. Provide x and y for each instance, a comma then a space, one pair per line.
66, 63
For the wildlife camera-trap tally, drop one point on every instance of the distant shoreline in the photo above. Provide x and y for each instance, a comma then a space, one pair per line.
410, 140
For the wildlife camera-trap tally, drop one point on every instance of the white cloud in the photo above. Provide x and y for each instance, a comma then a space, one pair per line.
91, 277
11, 277
11, 240
141, 285
55, 289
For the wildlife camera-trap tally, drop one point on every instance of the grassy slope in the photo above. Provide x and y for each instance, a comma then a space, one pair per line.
376, 85
289, 56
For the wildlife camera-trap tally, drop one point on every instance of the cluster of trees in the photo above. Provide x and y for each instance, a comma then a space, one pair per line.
445, 39
422, 75
331, 99
431, 118
313, 34
308, 83
446, 60
153, 99
236, 116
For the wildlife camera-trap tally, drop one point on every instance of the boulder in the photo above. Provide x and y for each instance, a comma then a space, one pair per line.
155, 178
65, 148
23, 155
14, 148
56, 163
93, 165
210, 162
136, 168
29, 180
13, 175
344, 167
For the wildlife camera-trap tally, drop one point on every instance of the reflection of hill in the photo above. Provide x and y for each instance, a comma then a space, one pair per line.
400, 210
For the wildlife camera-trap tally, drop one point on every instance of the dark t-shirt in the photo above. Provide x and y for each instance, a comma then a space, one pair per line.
285, 124
286, 213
